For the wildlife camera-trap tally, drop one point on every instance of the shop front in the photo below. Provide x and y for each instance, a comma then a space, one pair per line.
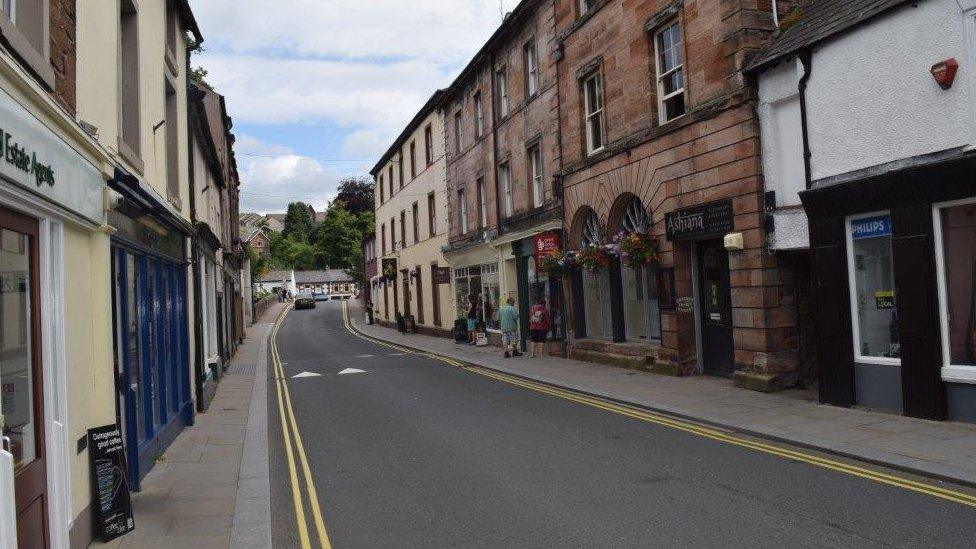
149, 303
51, 258
538, 281
476, 276
894, 259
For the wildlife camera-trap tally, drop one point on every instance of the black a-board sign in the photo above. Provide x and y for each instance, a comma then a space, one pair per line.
113, 506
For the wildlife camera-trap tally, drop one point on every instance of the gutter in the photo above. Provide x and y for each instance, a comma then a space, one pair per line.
806, 57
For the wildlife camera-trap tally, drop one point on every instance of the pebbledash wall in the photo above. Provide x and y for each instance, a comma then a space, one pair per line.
411, 227
699, 307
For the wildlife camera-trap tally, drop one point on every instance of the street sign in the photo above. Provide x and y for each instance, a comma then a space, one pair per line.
698, 221
113, 507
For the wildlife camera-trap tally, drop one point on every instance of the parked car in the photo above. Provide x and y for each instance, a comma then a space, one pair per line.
304, 301
321, 297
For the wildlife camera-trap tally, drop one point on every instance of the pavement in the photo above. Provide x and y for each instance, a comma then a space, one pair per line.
210, 489
942, 450
412, 451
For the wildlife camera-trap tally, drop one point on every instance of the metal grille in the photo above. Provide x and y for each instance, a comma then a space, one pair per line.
242, 369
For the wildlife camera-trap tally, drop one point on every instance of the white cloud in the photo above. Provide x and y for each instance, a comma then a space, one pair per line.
365, 144
269, 184
248, 145
442, 31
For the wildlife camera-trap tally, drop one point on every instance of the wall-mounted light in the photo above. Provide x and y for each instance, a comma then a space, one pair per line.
944, 72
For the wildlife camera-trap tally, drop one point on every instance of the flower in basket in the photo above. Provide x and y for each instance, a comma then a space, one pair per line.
553, 263
593, 258
636, 248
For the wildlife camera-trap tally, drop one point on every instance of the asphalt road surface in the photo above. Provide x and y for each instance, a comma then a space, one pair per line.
417, 453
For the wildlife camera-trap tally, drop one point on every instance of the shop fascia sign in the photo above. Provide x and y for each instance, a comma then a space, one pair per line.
35, 158
871, 227
699, 221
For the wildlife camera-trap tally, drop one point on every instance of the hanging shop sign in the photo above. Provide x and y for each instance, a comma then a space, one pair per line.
112, 502
390, 268
38, 160
545, 244
871, 227
707, 219
442, 275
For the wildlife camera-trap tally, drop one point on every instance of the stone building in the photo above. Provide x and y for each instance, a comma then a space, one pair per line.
659, 137
502, 145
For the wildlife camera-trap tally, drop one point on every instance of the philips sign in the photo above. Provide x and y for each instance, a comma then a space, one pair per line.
871, 227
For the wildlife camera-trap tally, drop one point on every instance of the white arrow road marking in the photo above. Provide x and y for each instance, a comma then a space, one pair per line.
352, 371
306, 374
396, 354
364, 356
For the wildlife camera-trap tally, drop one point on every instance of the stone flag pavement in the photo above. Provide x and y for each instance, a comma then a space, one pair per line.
211, 488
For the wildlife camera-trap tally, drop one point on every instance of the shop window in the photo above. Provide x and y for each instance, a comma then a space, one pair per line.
873, 304
480, 281
596, 286
956, 257
642, 313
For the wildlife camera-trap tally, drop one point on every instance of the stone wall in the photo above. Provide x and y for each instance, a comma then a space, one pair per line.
63, 37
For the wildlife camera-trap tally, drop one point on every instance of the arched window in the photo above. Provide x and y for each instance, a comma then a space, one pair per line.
642, 315
595, 286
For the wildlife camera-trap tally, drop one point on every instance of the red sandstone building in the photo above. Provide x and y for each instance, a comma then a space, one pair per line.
659, 136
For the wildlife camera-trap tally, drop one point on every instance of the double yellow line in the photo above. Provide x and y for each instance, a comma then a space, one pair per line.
288, 422
956, 496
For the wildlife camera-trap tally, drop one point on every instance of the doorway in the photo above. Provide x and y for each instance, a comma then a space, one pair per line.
21, 383
716, 308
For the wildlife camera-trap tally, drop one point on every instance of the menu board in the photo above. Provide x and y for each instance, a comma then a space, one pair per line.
113, 506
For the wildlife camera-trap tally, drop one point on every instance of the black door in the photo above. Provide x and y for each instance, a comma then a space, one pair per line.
716, 308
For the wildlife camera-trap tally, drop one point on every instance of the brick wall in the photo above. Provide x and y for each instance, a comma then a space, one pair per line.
63, 51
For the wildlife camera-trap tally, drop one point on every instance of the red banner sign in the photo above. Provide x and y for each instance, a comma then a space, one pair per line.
545, 244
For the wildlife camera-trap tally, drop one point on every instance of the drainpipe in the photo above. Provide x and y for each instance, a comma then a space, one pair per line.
806, 58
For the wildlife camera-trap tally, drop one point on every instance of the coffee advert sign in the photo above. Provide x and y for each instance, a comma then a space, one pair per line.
113, 505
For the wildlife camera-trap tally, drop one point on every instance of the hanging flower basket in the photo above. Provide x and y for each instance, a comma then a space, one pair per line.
554, 263
593, 258
637, 249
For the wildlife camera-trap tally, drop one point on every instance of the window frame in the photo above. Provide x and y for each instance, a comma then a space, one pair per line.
382, 190
479, 116
390, 177
954, 373
852, 292
400, 168
506, 200
429, 144
501, 85
537, 194
482, 202
413, 159
403, 229
530, 55
37, 61
585, 7
659, 76
431, 214
458, 129
462, 211
415, 210
588, 116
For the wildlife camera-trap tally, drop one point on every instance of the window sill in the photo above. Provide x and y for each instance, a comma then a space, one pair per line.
878, 360
33, 60
131, 157
959, 374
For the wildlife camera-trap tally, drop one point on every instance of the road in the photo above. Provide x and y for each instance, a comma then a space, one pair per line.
414, 452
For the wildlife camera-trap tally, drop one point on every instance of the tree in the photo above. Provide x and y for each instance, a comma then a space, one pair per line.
339, 237
357, 194
298, 223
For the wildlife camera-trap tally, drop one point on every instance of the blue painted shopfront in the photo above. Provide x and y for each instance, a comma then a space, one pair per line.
153, 354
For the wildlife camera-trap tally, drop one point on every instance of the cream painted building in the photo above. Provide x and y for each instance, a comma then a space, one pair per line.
411, 227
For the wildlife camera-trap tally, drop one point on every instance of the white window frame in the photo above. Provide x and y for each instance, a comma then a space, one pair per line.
661, 98
595, 117
483, 202
505, 178
479, 116
956, 373
502, 83
585, 7
531, 68
535, 175
463, 209
852, 291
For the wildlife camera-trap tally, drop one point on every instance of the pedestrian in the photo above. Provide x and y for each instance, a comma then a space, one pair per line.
472, 319
508, 318
538, 327
281, 295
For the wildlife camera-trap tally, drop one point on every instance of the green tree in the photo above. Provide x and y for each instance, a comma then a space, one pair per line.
339, 237
259, 265
298, 223
357, 194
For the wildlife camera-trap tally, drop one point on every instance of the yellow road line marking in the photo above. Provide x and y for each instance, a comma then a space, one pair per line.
293, 476
306, 469
700, 430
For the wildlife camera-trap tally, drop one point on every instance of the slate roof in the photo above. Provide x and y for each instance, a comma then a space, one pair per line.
819, 20
328, 275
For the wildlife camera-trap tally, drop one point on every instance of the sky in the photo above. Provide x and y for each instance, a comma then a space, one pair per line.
319, 89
